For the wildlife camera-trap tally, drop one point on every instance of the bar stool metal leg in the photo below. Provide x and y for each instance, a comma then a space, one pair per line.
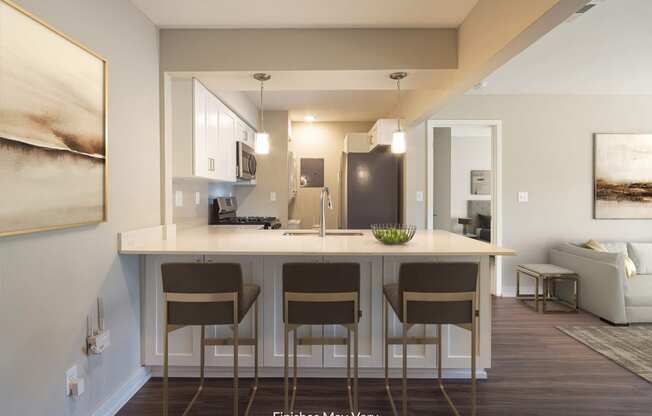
387, 344
294, 368
165, 358
254, 388
286, 359
236, 342
348, 371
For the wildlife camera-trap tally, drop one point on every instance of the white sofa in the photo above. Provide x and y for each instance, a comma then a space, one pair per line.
605, 290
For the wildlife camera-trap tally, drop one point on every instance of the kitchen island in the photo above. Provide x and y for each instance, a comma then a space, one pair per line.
262, 254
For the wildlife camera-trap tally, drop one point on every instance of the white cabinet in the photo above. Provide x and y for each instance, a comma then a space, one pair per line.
381, 132
370, 327
274, 334
204, 133
245, 134
185, 342
223, 355
226, 170
419, 356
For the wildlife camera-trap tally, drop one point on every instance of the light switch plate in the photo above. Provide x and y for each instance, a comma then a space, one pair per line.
419, 196
197, 198
272, 196
523, 197
178, 199
70, 375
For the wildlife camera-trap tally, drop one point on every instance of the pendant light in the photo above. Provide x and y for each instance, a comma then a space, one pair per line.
261, 145
398, 137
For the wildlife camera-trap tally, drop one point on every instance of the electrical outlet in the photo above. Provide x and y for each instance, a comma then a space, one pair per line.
523, 197
419, 196
197, 198
178, 199
272, 196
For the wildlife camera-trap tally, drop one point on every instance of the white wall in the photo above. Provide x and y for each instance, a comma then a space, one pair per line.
49, 281
467, 154
547, 151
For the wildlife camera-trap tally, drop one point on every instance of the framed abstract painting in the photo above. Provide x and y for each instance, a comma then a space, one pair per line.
53, 120
622, 176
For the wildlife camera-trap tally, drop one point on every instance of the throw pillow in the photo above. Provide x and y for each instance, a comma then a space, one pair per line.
642, 256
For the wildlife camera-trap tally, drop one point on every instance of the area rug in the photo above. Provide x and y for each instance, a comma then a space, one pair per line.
630, 347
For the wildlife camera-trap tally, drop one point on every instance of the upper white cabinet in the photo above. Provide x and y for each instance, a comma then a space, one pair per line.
381, 132
204, 133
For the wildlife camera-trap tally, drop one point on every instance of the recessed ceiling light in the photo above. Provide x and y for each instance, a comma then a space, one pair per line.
310, 118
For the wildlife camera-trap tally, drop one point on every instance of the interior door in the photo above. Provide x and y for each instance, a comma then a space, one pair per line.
442, 178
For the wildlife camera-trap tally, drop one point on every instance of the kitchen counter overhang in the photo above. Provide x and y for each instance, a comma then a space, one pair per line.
215, 240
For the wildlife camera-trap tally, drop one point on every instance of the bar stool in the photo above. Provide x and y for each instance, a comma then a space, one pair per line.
208, 294
431, 293
307, 287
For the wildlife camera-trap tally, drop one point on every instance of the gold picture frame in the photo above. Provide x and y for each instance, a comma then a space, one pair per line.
99, 213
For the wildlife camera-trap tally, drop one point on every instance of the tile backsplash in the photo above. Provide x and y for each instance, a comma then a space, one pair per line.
192, 199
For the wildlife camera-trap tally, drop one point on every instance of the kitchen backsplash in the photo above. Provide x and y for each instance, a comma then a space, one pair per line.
192, 200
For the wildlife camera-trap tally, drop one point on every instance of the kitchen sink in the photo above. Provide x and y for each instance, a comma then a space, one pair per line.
328, 233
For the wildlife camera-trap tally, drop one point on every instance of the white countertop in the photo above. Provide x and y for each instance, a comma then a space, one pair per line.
220, 240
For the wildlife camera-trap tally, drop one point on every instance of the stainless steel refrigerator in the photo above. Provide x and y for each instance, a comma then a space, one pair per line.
371, 189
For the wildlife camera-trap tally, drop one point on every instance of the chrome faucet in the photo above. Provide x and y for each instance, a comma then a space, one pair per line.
322, 217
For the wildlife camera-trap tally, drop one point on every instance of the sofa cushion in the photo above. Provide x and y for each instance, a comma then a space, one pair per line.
639, 291
615, 246
641, 254
577, 250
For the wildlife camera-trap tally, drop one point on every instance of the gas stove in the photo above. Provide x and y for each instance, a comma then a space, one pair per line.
223, 212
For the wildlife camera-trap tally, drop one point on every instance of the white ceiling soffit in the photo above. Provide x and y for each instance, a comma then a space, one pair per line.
339, 105
605, 51
307, 13
320, 80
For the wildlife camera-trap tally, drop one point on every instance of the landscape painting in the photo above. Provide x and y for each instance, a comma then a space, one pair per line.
623, 176
52, 128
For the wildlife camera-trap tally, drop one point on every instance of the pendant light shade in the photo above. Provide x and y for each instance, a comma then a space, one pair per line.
398, 137
398, 142
261, 143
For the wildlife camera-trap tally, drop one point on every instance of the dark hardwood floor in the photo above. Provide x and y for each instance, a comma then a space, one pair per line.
537, 370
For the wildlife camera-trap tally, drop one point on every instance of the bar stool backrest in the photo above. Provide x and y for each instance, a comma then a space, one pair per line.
307, 279
452, 279
196, 279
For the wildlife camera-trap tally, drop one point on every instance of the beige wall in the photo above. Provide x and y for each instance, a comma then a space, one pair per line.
49, 281
547, 151
271, 175
319, 49
321, 140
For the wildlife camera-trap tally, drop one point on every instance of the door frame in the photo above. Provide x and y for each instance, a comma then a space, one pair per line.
496, 182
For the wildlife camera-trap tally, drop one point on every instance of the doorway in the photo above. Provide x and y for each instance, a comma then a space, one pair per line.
464, 181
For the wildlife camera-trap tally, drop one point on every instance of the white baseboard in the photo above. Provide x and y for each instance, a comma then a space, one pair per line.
275, 372
113, 404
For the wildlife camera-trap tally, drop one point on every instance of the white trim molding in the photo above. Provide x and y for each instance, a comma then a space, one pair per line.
117, 400
496, 181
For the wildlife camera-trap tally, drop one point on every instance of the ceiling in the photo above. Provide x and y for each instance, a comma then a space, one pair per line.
328, 95
307, 13
353, 105
604, 51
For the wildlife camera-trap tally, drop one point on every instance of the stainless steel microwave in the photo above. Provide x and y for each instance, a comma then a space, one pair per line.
246, 161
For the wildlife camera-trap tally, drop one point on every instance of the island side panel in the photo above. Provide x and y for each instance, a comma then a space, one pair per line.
456, 341
370, 337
